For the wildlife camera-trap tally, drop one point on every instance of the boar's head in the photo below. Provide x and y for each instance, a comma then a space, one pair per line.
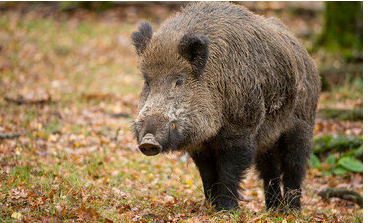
176, 108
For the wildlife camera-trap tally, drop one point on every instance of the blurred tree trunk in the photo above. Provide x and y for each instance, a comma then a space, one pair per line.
343, 28
342, 36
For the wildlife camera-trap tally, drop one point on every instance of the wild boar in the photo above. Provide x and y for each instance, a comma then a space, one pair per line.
230, 88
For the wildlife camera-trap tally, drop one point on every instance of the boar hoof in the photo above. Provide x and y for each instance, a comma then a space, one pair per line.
226, 204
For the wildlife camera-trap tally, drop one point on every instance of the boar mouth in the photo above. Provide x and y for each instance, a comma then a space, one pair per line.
149, 145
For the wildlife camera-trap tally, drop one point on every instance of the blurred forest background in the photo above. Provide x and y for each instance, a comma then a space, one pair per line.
69, 87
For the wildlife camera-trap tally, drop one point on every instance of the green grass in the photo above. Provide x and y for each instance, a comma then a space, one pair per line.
352, 90
348, 93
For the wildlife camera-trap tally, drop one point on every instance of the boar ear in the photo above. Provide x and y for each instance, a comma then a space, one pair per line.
195, 50
142, 37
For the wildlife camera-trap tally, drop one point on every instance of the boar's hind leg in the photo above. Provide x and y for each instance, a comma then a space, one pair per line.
232, 158
267, 163
206, 164
295, 146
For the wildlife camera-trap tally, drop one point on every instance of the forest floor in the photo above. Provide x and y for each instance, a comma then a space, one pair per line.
69, 82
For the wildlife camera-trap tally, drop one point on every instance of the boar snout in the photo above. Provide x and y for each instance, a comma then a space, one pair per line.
149, 146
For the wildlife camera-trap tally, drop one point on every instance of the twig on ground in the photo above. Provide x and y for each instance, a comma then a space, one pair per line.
20, 100
342, 193
11, 135
116, 134
120, 115
355, 114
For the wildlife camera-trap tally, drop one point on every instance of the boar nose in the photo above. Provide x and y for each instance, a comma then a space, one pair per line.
149, 146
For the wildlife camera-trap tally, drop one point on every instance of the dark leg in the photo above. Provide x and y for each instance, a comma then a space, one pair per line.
206, 164
233, 158
267, 165
295, 147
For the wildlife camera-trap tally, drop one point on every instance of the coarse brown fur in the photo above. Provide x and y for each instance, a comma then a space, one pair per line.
229, 86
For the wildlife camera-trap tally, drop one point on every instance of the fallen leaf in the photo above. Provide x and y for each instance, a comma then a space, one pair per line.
17, 215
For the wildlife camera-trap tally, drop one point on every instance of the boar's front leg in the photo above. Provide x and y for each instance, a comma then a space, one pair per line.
233, 157
205, 161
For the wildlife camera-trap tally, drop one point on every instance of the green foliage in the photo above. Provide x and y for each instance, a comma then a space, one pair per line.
331, 160
340, 171
338, 154
314, 161
336, 143
351, 164
97, 6
342, 114
343, 28
358, 153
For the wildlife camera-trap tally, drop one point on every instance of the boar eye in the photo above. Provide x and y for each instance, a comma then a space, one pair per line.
146, 79
178, 83
146, 83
